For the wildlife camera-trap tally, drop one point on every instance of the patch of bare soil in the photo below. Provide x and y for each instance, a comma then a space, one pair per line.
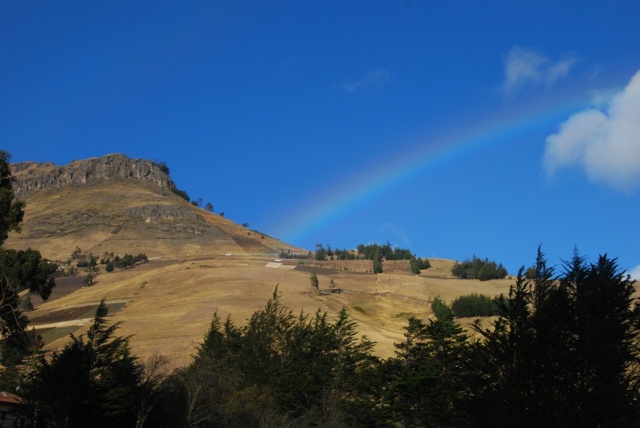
64, 286
72, 313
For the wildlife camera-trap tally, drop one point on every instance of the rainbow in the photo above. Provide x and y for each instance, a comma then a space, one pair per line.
422, 156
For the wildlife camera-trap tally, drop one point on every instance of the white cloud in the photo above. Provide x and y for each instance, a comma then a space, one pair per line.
526, 66
376, 78
605, 142
635, 273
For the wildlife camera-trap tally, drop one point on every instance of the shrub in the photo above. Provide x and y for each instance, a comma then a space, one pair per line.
418, 264
440, 309
182, 194
474, 268
474, 305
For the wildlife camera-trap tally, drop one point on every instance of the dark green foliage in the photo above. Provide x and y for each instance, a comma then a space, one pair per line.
163, 167
474, 305
109, 266
476, 268
321, 253
129, 260
11, 210
417, 265
375, 251
564, 351
183, 194
377, 265
531, 273
280, 367
344, 254
430, 375
315, 284
21, 270
440, 309
93, 382
88, 280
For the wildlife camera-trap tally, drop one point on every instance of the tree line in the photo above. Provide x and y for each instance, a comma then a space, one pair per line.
374, 252
563, 351
476, 268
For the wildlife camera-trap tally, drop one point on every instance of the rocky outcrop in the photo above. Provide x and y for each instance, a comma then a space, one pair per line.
156, 213
33, 176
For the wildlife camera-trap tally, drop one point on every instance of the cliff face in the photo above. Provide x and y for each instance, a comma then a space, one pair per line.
32, 176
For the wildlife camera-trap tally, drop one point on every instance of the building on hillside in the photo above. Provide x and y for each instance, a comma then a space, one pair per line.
9, 412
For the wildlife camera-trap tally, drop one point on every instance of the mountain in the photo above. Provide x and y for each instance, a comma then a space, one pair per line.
117, 204
199, 263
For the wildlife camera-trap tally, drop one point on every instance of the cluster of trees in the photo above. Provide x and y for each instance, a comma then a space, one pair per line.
329, 254
472, 305
19, 270
124, 262
564, 351
417, 264
376, 251
476, 268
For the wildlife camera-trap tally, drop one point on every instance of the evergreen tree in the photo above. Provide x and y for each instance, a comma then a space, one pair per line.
19, 270
92, 382
431, 373
563, 351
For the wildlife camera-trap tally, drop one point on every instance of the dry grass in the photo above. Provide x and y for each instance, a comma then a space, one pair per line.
169, 303
204, 265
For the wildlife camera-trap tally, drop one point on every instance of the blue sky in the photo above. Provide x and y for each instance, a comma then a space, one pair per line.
451, 128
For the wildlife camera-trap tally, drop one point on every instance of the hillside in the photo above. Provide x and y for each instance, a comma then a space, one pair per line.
117, 204
200, 263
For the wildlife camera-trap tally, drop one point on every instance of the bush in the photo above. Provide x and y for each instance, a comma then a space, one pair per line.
440, 309
417, 265
474, 305
377, 266
182, 194
474, 268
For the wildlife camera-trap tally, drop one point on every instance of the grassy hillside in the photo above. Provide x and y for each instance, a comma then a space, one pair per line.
201, 263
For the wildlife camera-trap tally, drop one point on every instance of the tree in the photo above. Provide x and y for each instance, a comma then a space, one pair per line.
476, 268
281, 369
417, 264
209, 207
377, 265
431, 371
440, 309
315, 284
11, 210
88, 280
321, 253
564, 350
90, 382
19, 270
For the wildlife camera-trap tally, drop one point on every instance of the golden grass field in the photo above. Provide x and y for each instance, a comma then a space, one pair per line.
167, 304
204, 265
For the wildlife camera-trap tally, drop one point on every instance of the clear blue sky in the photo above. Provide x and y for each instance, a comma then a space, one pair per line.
451, 128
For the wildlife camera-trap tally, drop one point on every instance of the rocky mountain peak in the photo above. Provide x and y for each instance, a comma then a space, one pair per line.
33, 176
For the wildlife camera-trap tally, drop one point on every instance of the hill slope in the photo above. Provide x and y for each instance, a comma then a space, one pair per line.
200, 263
117, 204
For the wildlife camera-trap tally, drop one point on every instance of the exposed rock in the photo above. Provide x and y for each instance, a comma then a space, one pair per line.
32, 176
156, 213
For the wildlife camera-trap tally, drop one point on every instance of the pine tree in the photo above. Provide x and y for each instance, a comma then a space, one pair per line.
90, 382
